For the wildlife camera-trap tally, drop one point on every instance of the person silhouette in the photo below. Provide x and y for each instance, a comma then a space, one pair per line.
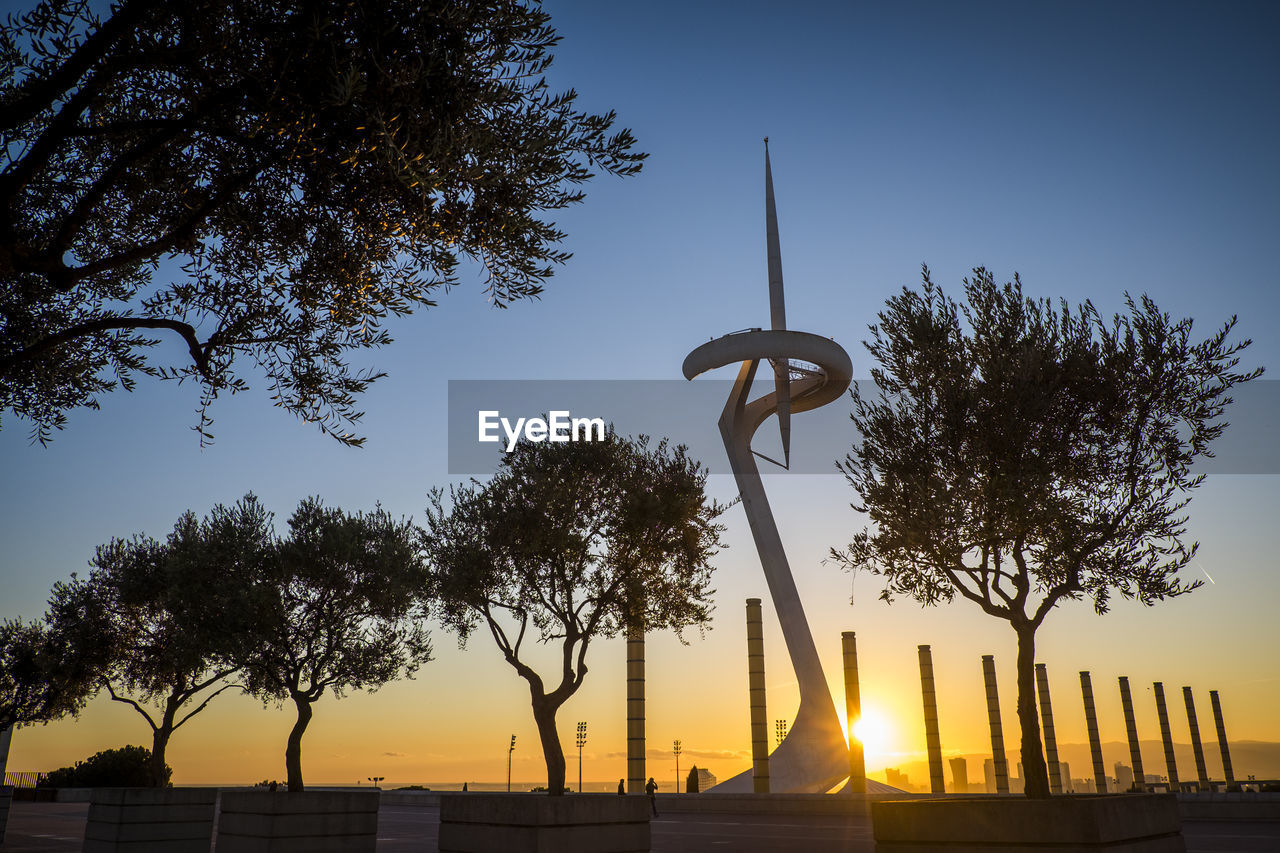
622, 788
651, 788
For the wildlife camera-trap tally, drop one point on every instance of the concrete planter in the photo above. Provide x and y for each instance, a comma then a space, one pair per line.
1139, 823
6, 797
304, 822
150, 820
533, 823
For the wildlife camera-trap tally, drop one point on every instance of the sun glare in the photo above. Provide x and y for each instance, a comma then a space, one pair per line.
873, 730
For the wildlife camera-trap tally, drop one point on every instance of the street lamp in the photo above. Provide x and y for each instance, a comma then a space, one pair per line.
782, 731
375, 779
509, 751
677, 752
582, 741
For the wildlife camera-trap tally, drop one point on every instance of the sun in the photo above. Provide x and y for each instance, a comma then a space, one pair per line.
873, 730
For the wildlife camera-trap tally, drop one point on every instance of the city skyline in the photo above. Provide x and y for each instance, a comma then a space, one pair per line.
1092, 149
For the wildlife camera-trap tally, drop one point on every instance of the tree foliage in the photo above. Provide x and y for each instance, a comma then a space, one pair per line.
568, 543
126, 767
333, 612
173, 614
1021, 454
45, 673
266, 183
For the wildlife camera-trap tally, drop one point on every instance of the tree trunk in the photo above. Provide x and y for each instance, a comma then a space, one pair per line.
544, 714
293, 752
160, 739
1035, 774
159, 742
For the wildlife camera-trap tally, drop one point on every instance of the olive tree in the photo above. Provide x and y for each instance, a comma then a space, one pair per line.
333, 611
172, 614
264, 183
1020, 454
569, 543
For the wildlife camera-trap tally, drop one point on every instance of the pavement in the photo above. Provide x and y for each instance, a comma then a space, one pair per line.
50, 827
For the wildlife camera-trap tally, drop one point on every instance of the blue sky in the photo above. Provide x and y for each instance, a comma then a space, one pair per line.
1092, 147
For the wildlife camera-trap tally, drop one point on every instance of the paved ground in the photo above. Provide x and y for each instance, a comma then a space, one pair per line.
50, 827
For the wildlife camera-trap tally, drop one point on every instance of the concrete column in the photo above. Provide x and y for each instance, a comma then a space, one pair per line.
998, 759
1095, 743
1166, 736
1202, 773
1046, 723
932, 740
1131, 728
1222, 739
853, 712
755, 683
635, 710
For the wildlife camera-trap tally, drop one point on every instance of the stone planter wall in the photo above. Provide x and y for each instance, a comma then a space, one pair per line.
6, 797
537, 823
150, 820
304, 822
1137, 823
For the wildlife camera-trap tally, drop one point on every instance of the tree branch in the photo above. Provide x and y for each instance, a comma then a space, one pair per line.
107, 324
40, 92
127, 701
203, 704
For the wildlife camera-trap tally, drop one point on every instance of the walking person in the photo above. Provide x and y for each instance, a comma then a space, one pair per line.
651, 788
622, 788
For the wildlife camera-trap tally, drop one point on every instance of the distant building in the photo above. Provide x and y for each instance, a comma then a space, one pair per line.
896, 779
989, 775
959, 775
1082, 786
1124, 777
1064, 773
705, 779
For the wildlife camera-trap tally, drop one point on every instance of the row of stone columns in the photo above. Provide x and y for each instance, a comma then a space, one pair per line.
857, 771
1056, 785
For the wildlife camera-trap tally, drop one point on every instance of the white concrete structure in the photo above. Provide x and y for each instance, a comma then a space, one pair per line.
814, 755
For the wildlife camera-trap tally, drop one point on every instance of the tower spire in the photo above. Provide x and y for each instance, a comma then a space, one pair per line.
777, 303
777, 309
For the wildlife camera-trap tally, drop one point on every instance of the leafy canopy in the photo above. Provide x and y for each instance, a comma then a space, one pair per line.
1020, 449
576, 540
332, 609
266, 183
45, 671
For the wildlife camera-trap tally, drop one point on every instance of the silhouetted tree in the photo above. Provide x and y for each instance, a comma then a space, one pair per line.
691, 783
549, 548
332, 612
302, 170
1021, 454
172, 613
44, 675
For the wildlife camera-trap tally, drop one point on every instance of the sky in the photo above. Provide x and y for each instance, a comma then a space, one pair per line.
1095, 148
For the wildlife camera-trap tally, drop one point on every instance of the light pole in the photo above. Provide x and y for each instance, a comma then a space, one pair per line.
509, 751
782, 730
677, 751
375, 779
582, 741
